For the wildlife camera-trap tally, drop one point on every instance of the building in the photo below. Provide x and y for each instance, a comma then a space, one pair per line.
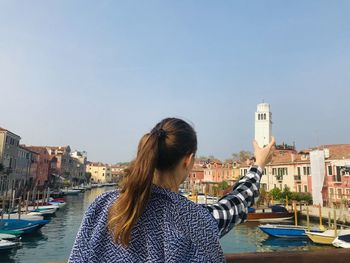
263, 124
118, 172
25, 169
9, 147
60, 162
40, 166
78, 162
196, 177
331, 165
100, 172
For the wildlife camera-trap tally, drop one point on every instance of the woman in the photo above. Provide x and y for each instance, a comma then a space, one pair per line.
148, 221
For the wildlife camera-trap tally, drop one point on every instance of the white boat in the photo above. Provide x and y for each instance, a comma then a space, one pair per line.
6, 245
24, 216
45, 212
8, 237
342, 241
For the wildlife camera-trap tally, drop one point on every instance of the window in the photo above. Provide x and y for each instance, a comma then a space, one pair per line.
273, 171
299, 188
347, 192
331, 193
299, 172
259, 117
330, 170
305, 188
339, 193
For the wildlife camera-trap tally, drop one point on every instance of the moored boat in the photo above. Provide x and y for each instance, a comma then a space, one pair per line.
27, 226
269, 214
342, 241
326, 237
7, 245
9, 237
70, 192
23, 216
16, 233
286, 231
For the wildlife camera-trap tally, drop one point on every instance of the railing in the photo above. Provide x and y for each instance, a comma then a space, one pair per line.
297, 178
319, 256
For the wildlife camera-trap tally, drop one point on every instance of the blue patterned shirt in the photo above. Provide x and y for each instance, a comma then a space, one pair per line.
171, 229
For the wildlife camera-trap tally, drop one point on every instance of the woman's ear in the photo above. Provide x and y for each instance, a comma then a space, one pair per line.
189, 161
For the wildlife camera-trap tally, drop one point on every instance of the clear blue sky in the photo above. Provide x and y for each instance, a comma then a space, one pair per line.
98, 74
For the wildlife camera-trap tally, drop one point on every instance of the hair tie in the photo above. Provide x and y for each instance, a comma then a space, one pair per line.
161, 134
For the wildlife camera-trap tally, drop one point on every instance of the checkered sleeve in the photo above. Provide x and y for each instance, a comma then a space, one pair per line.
232, 209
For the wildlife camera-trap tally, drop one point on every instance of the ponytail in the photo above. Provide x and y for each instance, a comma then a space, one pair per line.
135, 193
161, 149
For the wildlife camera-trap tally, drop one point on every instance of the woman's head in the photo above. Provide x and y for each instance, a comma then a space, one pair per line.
170, 146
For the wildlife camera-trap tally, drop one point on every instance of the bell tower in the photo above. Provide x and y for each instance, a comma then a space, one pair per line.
263, 124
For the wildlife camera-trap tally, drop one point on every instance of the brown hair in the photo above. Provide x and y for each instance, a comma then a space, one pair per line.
167, 143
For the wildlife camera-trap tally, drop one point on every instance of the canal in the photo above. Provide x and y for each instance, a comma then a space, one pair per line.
55, 240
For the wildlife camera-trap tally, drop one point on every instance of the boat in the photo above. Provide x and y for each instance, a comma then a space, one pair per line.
270, 214
286, 231
23, 216
7, 245
43, 212
27, 226
9, 237
342, 241
70, 192
79, 188
327, 237
16, 233
60, 204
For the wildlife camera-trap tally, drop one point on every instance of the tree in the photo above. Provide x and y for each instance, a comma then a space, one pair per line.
223, 185
276, 193
242, 156
286, 193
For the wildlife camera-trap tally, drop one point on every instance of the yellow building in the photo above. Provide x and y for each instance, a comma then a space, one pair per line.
100, 172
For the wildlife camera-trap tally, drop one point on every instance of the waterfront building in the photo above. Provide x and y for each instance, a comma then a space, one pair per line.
100, 172
118, 172
263, 124
9, 145
40, 167
331, 165
22, 173
60, 162
196, 177
77, 163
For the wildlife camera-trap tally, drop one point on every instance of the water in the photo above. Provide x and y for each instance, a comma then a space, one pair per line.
55, 240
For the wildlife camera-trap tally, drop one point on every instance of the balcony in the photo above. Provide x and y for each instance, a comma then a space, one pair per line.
279, 178
297, 178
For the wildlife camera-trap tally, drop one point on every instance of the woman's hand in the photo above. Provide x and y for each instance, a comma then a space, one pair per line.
263, 155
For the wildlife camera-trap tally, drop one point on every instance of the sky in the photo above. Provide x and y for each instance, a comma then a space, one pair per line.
97, 75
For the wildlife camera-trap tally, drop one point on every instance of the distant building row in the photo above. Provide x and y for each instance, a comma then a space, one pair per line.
325, 167
23, 166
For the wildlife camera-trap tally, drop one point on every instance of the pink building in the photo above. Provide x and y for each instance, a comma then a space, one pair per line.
41, 165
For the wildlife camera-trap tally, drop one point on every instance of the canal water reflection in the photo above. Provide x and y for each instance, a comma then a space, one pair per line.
55, 240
